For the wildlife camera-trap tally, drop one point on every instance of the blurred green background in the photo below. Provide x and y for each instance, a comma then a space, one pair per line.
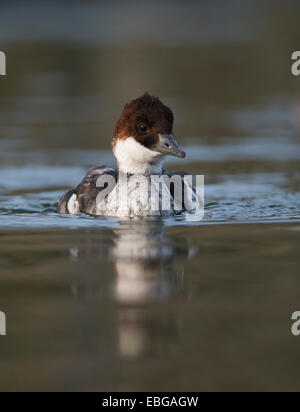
72, 65
98, 304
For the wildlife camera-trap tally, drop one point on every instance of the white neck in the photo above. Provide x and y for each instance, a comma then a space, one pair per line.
134, 158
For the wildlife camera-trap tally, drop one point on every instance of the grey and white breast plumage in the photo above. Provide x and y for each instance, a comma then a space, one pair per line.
96, 199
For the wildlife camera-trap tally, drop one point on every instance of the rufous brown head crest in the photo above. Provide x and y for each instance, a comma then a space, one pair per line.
144, 119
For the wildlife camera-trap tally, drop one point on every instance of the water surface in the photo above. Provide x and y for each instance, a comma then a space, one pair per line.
161, 304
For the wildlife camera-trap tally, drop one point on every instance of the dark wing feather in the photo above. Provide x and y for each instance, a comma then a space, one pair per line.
87, 191
63, 202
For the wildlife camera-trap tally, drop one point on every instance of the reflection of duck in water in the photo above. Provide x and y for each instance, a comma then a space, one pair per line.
149, 269
145, 264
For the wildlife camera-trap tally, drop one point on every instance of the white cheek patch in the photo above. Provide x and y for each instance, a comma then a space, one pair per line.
135, 158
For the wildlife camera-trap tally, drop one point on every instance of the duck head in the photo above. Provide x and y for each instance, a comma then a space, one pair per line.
143, 136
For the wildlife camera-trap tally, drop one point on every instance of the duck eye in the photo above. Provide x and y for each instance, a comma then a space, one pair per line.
142, 127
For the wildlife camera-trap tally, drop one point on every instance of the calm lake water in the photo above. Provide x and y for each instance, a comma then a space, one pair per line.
155, 305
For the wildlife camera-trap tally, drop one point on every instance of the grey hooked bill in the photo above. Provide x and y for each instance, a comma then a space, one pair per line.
168, 145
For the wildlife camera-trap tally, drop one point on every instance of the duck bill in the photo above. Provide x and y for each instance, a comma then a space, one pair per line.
168, 145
